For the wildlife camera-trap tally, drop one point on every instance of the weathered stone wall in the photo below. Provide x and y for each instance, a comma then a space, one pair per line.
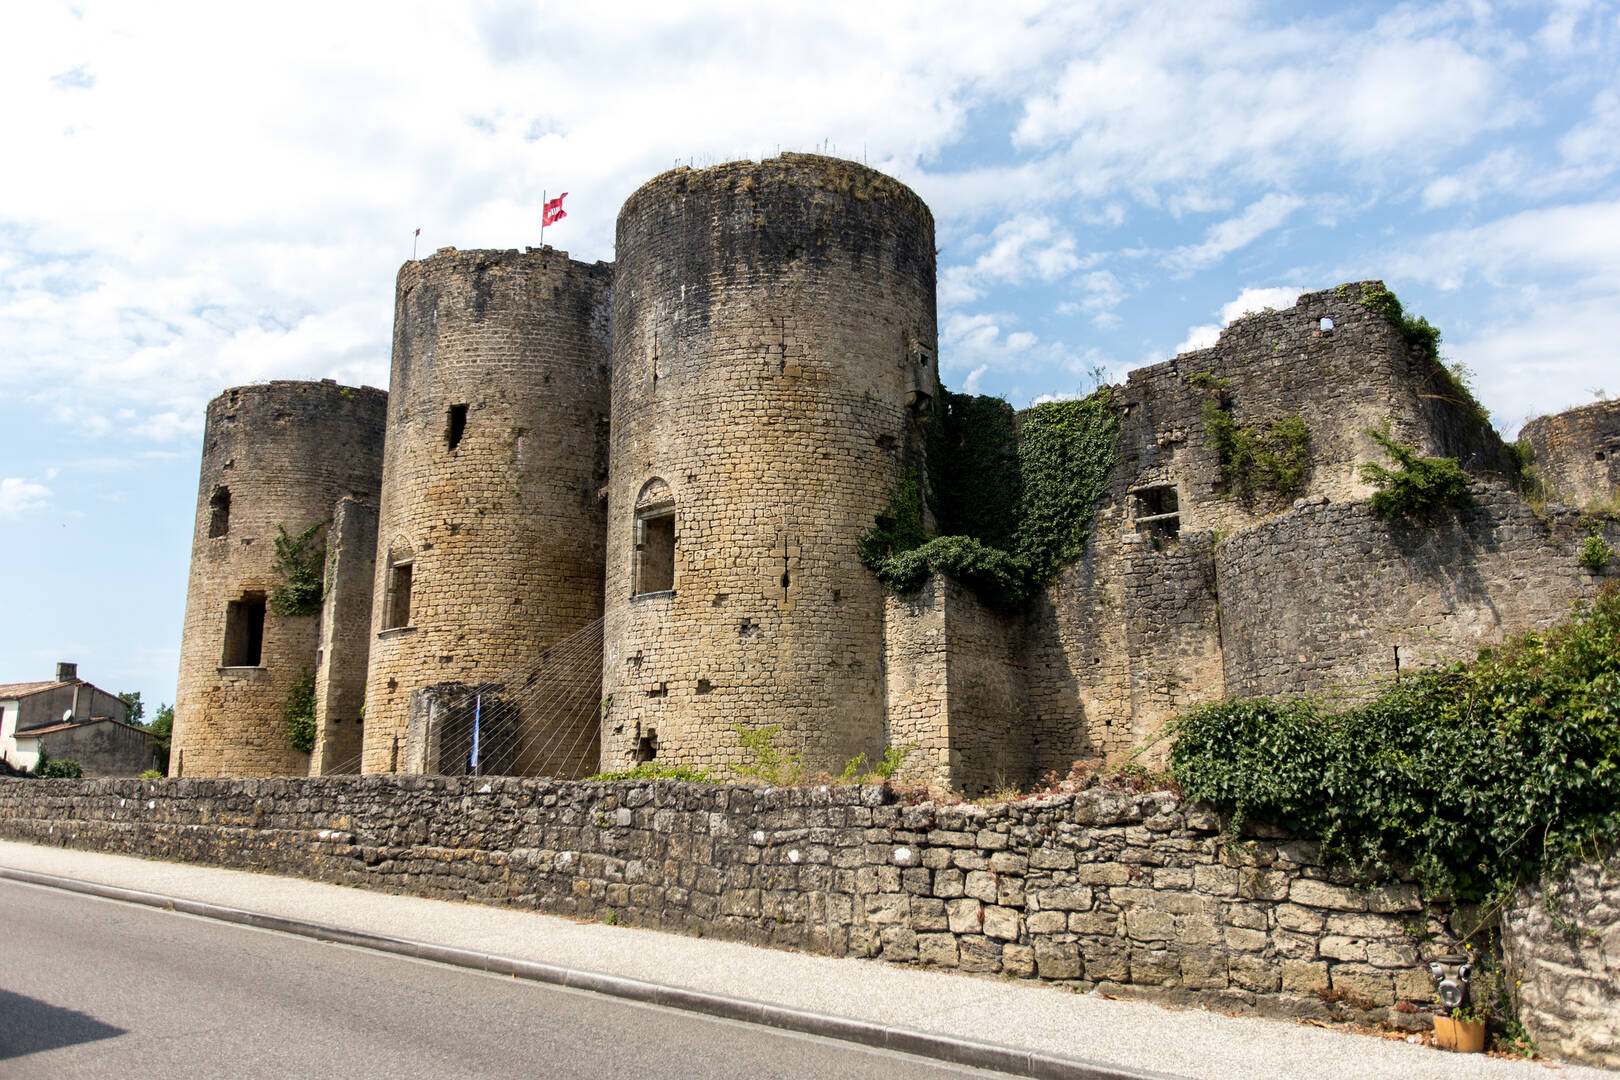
1127, 892
1563, 949
496, 454
1334, 596
954, 689
774, 337
1131, 633
340, 675
1577, 452
286, 452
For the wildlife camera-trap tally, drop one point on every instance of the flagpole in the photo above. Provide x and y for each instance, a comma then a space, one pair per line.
542, 217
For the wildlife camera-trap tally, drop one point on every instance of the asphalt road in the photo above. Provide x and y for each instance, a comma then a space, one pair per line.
95, 988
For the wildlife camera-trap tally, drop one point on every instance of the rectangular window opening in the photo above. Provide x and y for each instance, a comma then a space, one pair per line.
219, 518
244, 631
399, 596
655, 570
647, 747
455, 426
1157, 512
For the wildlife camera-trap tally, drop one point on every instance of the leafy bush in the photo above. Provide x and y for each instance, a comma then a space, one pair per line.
1419, 487
300, 713
1595, 553
301, 562
151, 774
658, 770
770, 764
48, 768
1478, 776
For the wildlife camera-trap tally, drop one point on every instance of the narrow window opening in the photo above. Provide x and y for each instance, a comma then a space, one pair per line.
399, 596
219, 518
1326, 324
455, 426
244, 631
1598, 456
647, 746
1158, 512
656, 554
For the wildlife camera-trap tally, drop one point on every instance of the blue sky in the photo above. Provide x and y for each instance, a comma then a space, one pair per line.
198, 196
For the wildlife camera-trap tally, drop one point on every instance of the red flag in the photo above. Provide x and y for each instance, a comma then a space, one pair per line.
553, 211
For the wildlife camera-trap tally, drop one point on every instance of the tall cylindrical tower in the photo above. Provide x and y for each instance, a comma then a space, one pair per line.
279, 454
490, 538
773, 346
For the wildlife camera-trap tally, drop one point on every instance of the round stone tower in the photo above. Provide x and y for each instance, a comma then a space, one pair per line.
773, 348
279, 454
490, 538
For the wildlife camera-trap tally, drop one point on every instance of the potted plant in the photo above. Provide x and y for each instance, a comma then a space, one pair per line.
1463, 1030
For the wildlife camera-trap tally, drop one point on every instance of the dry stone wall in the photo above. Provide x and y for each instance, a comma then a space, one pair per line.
1562, 941
774, 340
1334, 597
1130, 893
491, 511
275, 454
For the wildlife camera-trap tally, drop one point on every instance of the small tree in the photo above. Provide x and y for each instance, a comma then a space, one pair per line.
1419, 487
162, 730
132, 698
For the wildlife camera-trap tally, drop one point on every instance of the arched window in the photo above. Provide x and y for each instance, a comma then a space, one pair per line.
655, 538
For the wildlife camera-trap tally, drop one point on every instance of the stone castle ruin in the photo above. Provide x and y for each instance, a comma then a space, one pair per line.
608, 513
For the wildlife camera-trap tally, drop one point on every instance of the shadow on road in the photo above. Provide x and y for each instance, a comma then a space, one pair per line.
28, 1026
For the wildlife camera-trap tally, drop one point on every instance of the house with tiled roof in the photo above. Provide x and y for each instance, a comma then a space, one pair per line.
70, 719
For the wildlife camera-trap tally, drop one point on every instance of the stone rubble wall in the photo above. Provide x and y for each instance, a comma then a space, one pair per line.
1326, 597
1562, 944
1130, 893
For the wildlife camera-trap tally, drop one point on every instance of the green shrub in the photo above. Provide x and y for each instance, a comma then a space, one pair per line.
64, 769
151, 774
301, 562
1595, 553
658, 770
1419, 487
769, 764
299, 714
1478, 776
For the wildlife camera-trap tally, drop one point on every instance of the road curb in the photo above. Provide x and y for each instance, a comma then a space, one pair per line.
845, 1029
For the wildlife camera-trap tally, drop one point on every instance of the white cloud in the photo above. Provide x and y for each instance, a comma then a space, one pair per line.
18, 496
1228, 236
1249, 302
1576, 240
1019, 249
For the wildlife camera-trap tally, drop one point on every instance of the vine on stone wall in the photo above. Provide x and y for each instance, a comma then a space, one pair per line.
1009, 523
299, 714
301, 562
1258, 463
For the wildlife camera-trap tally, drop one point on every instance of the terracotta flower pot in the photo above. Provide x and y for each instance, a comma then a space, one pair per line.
1464, 1036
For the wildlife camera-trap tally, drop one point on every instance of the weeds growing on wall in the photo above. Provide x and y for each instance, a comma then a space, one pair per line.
658, 770
299, 715
1419, 486
1258, 462
1595, 553
301, 562
1008, 524
1479, 776
1450, 383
